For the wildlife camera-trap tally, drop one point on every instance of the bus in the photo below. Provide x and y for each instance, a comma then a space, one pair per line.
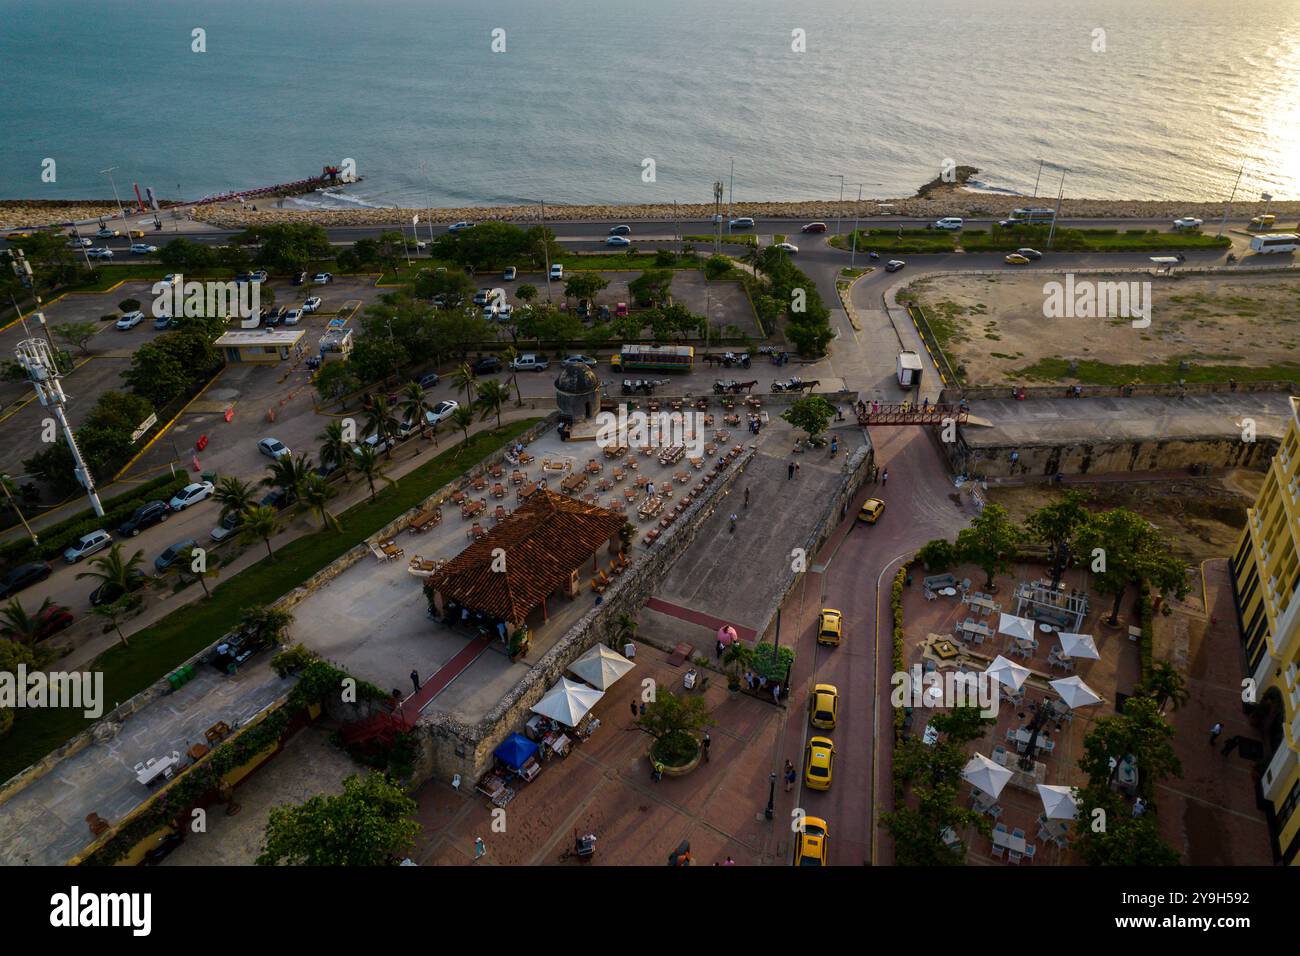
659, 358
1282, 242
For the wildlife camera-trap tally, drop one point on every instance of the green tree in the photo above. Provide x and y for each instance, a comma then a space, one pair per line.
1055, 525
990, 542
811, 414
1126, 840
1166, 685
234, 496
335, 449
187, 567
454, 290
508, 356
491, 397
382, 421
261, 522
288, 474
652, 288
1123, 548
1142, 731
333, 380
414, 404
526, 293
316, 495
16, 624
673, 721
289, 247
369, 824
463, 418
464, 380
113, 569
113, 615
269, 624
584, 285
367, 464
129, 305
76, 333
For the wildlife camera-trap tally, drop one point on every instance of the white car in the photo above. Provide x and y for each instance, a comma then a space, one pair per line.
130, 320
499, 313
106, 233
322, 278
618, 241
274, 448
441, 412
789, 247
103, 252
557, 272
143, 249
191, 494
1188, 222
171, 278
744, 222
292, 317
78, 242
530, 363
312, 304
948, 222
87, 545
458, 226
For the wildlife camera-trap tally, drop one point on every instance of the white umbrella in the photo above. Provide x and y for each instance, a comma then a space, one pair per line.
985, 775
1008, 673
1079, 645
1059, 803
600, 666
1075, 692
1021, 628
567, 702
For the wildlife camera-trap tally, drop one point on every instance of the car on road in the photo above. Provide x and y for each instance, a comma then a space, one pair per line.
509, 274
228, 526
460, 226
172, 554
275, 498
1188, 223
146, 516
557, 272
744, 222
487, 365
164, 322
19, 234
191, 494
818, 763
482, 296
947, 222
428, 380
312, 304
1263, 222
109, 592
79, 242
814, 227
530, 363
52, 619
1016, 259
871, 510
272, 317
810, 842
130, 320
620, 309
1030, 253
623, 241
274, 448
171, 278
87, 545
293, 316
323, 278
893, 265
300, 278
830, 626
260, 275
789, 247
586, 360
106, 233
620, 230
824, 706
103, 252
23, 576
441, 412
143, 249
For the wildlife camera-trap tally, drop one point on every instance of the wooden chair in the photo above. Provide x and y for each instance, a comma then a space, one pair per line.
479, 482
475, 532
501, 513
518, 477
498, 490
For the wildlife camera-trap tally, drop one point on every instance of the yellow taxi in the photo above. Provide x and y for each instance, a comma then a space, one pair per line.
19, 234
1016, 259
871, 510
616, 360
824, 706
818, 763
1263, 222
136, 233
810, 843
830, 626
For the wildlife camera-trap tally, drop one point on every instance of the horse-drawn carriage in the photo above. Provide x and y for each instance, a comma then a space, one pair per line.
795, 384
732, 387
641, 386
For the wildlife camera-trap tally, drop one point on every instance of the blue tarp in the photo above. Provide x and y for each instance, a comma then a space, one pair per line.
515, 751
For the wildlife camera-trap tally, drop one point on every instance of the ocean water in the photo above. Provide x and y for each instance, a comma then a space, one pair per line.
1184, 94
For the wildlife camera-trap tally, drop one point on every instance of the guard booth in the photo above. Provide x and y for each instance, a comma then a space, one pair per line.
261, 346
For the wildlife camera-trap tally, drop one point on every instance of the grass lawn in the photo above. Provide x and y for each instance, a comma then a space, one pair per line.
1100, 373
736, 238
1088, 240
156, 650
916, 241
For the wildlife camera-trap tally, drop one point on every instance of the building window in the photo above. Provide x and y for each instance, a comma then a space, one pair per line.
1287, 806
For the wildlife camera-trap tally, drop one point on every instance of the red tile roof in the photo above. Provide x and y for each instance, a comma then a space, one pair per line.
545, 540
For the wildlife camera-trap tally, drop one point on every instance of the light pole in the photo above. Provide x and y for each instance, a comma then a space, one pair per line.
731, 190
857, 217
717, 218
1057, 214
838, 211
1268, 201
769, 810
546, 246
1038, 177
1231, 197
4, 484
109, 173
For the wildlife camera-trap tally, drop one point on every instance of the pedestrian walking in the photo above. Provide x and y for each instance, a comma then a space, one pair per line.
796, 468
705, 744
1214, 732
789, 776
632, 704
650, 488
789, 471
733, 523
480, 848
656, 771
642, 708
746, 497
776, 693
415, 679
719, 648
884, 478
835, 446
1139, 807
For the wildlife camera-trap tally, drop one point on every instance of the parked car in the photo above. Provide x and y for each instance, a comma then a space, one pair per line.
171, 278
87, 545
51, 620
429, 380
620, 310
172, 554
618, 241
789, 247
441, 412
557, 272
110, 591
164, 322
275, 498
312, 304
509, 274
244, 277
130, 320
323, 278
270, 317
814, 227
871, 510
103, 252
580, 360
620, 230
293, 316
1188, 223
744, 222
146, 516
191, 494
261, 275
274, 448
530, 363
143, 249
23, 576
300, 278
228, 526
947, 222
482, 296
893, 265
488, 365
460, 226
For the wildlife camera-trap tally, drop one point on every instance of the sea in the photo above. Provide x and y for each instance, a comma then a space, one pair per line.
483, 102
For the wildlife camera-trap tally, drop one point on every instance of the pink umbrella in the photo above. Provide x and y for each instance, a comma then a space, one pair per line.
727, 634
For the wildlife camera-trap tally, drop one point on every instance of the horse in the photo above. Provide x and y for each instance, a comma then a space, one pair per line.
738, 387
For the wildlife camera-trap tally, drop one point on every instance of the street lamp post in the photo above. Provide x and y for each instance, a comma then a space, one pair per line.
857, 218
838, 211
770, 810
109, 173
1057, 214
1231, 197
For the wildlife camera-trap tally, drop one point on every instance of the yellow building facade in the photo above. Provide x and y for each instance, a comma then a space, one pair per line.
1266, 585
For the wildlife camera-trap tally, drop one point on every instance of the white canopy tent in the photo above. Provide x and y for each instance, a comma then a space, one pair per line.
985, 775
1008, 673
600, 667
1079, 645
1059, 803
1075, 692
568, 701
1021, 628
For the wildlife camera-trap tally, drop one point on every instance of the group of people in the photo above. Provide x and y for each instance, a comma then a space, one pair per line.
757, 682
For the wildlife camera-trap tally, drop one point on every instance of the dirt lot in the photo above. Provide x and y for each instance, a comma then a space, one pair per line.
1200, 517
1247, 328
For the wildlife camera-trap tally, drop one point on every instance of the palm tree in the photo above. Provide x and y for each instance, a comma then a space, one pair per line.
463, 378
369, 467
260, 524
234, 496
316, 493
414, 404
508, 356
491, 396
1166, 685
335, 449
185, 568
20, 626
463, 418
113, 613
382, 422
112, 569
289, 474
738, 655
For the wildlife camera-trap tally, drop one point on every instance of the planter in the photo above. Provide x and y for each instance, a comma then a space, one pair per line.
682, 770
